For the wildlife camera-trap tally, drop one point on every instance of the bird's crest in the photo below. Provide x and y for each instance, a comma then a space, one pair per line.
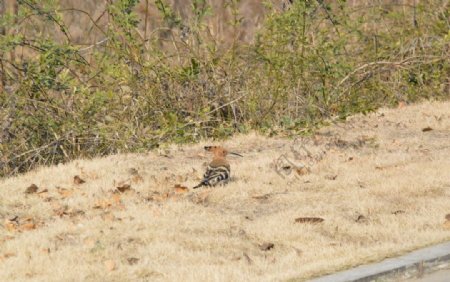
219, 151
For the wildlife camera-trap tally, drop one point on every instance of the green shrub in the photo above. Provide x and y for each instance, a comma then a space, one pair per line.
127, 93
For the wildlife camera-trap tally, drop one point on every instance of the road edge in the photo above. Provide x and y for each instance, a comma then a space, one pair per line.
412, 264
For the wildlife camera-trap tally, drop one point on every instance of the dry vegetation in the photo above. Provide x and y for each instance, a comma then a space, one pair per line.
379, 182
83, 79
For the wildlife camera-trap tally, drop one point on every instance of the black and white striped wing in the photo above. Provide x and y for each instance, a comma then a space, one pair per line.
215, 175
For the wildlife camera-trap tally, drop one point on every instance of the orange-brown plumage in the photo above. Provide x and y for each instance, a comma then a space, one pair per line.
219, 162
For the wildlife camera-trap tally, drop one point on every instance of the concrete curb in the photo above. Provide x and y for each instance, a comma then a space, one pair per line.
412, 264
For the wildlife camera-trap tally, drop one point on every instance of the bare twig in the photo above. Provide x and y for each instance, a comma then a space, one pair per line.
227, 104
50, 16
146, 20
396, 64
93, 45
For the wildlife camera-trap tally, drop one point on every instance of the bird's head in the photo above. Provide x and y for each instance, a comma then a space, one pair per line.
219, 151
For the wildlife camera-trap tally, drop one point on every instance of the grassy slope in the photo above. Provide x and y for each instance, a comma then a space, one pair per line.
381, 184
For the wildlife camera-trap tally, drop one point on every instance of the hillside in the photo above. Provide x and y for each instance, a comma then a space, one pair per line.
380, 183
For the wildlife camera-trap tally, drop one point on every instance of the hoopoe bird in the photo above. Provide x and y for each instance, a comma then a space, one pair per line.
218, 170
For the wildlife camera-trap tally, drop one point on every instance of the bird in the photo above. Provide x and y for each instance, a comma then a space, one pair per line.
218, 170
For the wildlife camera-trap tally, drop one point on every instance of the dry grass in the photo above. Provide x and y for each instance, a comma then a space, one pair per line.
380, 183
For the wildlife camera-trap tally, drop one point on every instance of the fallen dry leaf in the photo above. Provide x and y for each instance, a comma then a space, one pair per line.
309, 220
67, 237
64, 192
77, 180
398, 212
116, 199
155, 196
132, 261
387, 166
59, 210
180, 189
266, 246
262, 197
74, 212
426, 129
8, 255
15, 218
447, 221
10, 225
31, 189
447, 224
249, 260
108, 217
45, 195
401, 104
13, 224
137, 179
361, 218
158, 197
302, 170
298, 251
28, 226
42, 192
123, 188
102, 204
27, 219
331, 177
6, 238
110, 265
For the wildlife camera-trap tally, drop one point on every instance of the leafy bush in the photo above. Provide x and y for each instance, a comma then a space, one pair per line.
309, 61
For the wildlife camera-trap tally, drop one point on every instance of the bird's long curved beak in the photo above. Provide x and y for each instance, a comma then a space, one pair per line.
233, 153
